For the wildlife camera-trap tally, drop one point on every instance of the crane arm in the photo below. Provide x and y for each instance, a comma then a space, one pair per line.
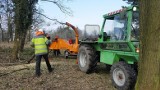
74, 28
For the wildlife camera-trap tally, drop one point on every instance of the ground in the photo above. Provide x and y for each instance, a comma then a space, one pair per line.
16, 75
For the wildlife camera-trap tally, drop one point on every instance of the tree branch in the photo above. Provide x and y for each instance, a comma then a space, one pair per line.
50, 18
62, 7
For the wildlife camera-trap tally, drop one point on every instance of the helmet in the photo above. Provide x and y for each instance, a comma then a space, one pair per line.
39, 32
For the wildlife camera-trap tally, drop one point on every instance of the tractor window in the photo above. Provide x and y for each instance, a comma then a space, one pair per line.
119, 29
116, 28
108, 28
135, 27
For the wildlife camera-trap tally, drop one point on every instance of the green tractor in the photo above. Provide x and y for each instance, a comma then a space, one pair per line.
117, 47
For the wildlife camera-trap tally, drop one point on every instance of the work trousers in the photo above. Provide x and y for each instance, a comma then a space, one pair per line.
38, 63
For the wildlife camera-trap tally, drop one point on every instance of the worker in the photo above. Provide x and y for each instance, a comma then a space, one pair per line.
40, 43
56, 51
49, 38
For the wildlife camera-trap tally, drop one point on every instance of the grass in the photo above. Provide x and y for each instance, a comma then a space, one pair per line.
66, 74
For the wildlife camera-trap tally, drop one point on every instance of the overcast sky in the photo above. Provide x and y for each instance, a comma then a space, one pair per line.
84, 11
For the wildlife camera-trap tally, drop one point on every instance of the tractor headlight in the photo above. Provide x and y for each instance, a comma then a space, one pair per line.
134, 8
137, 50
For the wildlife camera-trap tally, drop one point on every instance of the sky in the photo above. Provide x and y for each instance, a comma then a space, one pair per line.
84, 11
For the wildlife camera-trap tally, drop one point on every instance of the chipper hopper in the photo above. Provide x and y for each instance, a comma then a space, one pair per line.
70, 47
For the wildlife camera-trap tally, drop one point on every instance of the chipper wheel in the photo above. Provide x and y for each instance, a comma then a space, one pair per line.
66, 54
123, 76
86, 58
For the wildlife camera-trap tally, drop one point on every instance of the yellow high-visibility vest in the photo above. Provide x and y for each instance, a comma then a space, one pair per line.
40, 44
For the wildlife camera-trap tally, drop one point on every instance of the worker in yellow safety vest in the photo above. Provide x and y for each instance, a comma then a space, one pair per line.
41, 43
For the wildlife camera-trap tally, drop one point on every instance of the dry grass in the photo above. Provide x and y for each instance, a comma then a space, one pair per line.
66, 76
6, 52
10, 45
6, 44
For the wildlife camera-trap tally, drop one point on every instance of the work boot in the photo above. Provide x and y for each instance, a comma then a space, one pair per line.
51, 70
37, 75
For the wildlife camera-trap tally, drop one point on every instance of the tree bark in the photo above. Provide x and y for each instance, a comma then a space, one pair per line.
22, 41
149, 64
16, 39
9, 28
23, 19
1, 28
2, 39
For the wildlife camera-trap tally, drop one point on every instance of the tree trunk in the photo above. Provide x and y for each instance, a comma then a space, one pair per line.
16, 44
28, 37
1, 29
149, 64
23, 20
15, 49
9, 28
2, 34
22, 40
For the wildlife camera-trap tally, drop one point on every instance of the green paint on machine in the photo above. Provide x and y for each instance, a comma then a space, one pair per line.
117, 47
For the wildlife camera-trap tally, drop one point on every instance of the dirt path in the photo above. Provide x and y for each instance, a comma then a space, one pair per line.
66, 76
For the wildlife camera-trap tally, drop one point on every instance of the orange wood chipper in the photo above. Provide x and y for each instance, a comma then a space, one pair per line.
69, 46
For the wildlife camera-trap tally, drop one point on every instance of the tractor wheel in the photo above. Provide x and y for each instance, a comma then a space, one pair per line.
66, 54
123, 76
86, 58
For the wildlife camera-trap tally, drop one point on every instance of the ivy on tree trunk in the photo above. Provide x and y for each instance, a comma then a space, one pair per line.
24, 10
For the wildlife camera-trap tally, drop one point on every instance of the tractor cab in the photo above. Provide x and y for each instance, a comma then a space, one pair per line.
115, 27
121, 26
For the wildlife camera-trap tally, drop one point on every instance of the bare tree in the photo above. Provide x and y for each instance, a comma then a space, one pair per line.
1, 19
9, 14
38, 20
7, 18
24, 18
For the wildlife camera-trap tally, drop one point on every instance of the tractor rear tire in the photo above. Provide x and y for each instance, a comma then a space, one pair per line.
86, 58
123, 76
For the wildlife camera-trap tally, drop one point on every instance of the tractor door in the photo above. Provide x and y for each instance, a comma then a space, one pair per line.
119, 29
